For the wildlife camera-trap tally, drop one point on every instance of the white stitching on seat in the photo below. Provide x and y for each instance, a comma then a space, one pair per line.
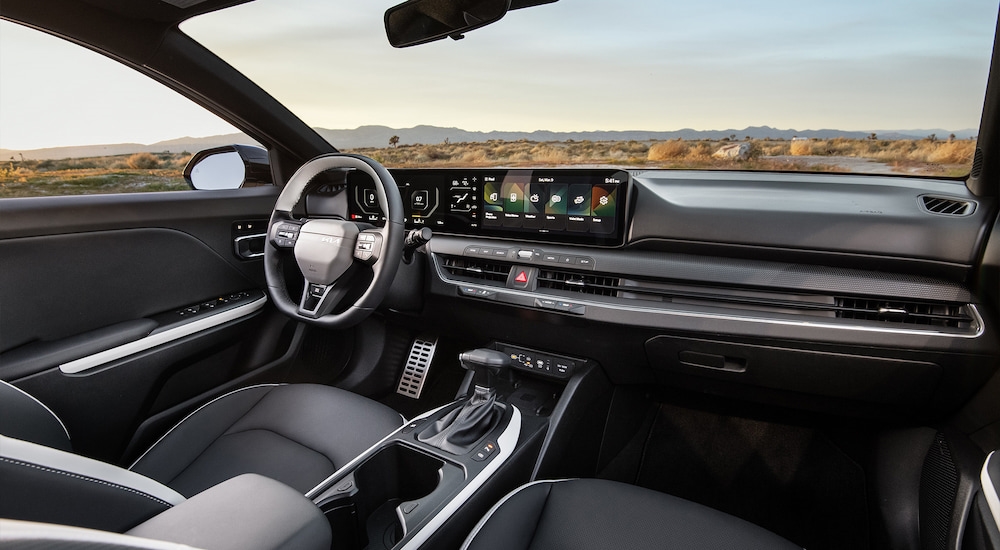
85, 478
196, 411
33, 398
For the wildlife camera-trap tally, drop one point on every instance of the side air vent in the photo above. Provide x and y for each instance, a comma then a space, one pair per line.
475, 269
977, 164
586, 283
912, 313
947, 206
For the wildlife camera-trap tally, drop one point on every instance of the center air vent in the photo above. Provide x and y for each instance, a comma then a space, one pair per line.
480, 270
912, 313
586, 283
947, 206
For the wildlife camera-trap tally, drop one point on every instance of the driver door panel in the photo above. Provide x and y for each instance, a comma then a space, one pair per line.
85, 275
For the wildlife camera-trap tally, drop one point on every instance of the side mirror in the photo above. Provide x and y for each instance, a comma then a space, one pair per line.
229, 167
419, 21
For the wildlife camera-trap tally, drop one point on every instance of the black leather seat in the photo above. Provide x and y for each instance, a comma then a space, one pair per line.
295, 434
584, 514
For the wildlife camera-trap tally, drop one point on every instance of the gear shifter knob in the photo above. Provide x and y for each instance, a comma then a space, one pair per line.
487, 361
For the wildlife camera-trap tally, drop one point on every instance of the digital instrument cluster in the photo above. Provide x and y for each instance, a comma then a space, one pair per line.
571, 206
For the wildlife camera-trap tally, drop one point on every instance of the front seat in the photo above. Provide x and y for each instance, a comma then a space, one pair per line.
296, 434
592, 514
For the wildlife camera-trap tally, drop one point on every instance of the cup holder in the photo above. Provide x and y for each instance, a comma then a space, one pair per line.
366, 516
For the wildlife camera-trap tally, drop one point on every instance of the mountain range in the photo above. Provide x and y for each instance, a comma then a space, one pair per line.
378, 136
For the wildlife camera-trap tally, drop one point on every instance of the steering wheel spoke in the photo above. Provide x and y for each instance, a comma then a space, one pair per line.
319, 299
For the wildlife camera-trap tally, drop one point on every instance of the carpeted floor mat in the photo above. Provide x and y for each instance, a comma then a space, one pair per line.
790, 479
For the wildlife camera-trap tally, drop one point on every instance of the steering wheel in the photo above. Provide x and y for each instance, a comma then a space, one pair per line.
330, 251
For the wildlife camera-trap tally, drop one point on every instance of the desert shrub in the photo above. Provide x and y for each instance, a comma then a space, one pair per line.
775, 149
668, 150
548, 154
702, 150
952, 152
800, 148
474, 157
143, 161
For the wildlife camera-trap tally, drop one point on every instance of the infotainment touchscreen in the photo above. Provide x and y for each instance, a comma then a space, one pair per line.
571, 206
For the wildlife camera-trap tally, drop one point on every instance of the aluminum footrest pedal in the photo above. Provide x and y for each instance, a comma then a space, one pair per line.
417, 365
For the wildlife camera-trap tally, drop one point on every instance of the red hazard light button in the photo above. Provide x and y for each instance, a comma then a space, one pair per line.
522, 278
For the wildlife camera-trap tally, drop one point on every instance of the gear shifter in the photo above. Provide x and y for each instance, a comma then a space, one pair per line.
457, 431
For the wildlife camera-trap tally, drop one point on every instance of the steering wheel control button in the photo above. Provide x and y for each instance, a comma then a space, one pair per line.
285, 234
367, 247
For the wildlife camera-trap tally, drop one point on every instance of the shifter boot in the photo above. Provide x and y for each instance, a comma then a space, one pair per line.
457, 431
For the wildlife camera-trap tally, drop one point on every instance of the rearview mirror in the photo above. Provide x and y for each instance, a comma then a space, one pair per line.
229, 167
419, 21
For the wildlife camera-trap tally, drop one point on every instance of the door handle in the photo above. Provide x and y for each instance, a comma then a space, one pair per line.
248, 247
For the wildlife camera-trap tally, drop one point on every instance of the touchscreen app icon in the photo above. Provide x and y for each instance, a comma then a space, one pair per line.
579, 200
535, 195
604, 201
556, 202
513, 194
492, 198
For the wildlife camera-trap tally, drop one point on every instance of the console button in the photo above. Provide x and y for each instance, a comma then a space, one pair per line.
551, 258
567, 260
524, 254
584, 261
545, 303
484, 452
411, 426
472, 250
500, 252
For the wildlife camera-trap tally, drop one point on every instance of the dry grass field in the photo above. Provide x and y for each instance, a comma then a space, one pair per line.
162, 171
93, 175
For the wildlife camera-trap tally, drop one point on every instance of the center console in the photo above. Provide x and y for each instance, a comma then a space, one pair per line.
426, 484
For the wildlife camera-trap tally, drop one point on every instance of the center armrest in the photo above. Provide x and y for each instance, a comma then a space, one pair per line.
243, 512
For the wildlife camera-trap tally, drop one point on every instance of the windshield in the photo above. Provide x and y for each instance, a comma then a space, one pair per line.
858, 86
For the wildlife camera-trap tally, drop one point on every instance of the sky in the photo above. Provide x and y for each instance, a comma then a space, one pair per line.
575, 65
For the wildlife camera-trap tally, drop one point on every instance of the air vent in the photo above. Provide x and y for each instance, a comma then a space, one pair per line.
977, 164
947, 206
911, 313
475, 269
586, 283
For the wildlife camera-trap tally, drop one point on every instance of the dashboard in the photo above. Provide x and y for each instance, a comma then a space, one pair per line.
805, 284
559, 206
